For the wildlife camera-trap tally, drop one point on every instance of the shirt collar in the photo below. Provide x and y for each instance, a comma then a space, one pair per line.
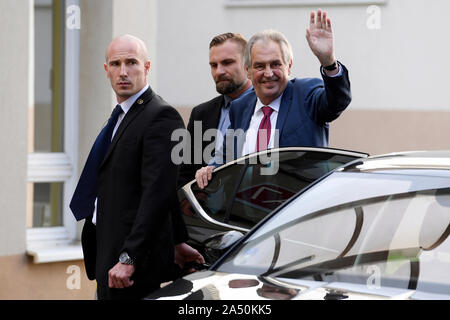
275, 104
227, 101
126, 105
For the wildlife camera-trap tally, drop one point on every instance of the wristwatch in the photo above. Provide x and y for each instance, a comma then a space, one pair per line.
331, 67
125, 259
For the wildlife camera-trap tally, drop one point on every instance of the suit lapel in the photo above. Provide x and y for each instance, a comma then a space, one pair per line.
285, 105
212, 121
247, 113
135, 109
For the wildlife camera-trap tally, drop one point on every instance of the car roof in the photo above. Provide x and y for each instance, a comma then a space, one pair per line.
414, 160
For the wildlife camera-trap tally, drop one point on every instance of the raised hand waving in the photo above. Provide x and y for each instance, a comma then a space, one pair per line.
320, 37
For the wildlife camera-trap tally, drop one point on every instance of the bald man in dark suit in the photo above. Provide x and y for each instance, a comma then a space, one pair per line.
133, 227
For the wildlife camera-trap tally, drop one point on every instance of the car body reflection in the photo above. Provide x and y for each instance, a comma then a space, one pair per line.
377, 228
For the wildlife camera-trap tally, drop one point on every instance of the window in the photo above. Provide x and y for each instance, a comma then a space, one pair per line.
53, 121
48, 124
47, 204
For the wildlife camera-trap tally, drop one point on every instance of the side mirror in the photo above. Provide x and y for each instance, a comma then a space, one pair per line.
218, 244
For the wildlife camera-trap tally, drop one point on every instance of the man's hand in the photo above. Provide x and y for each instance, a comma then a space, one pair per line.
320, 37
119, 276
185, 253
203, 175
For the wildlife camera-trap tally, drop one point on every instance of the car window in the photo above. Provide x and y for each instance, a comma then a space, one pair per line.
244, 193
398, 241
345, 187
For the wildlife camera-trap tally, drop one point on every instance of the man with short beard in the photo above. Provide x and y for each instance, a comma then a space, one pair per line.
226, 59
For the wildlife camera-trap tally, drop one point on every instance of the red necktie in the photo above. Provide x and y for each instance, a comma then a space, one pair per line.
264, 129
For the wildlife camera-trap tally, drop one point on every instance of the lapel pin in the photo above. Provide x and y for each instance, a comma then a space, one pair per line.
140, 101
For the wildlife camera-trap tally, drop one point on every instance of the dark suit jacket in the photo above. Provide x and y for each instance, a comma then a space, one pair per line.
306, 108
209, 114
137, 209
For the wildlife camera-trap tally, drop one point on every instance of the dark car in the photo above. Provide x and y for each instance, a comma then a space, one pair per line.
376, 228
246, 190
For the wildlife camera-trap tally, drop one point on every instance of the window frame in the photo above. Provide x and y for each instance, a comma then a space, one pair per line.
197, 207
59, 166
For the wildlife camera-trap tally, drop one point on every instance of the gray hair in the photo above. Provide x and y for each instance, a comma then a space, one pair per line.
266, 35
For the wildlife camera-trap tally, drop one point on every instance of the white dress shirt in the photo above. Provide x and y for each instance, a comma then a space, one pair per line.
258, 115
126, 106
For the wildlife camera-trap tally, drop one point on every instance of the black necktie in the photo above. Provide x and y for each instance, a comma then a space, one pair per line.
82, 203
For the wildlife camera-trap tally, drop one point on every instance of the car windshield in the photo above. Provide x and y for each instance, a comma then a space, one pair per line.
393, 237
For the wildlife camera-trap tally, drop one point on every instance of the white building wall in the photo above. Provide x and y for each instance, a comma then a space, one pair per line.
15, 99
139, 18
102, 20
401, 66
95, 92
